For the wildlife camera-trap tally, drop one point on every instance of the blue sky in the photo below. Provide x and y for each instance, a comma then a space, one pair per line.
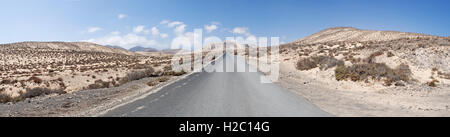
153, 23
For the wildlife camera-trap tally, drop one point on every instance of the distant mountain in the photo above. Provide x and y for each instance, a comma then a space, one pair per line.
117, 47
140, 48
77, 46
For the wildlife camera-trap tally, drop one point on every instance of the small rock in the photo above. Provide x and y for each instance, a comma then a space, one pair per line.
398, 84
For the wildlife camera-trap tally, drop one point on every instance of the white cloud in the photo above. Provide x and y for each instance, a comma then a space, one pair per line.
140, 28
164, 35
241, 30
164, 22
127, 41
115, 33
175, 23
179, 30
155, 31
121, 16
210, 28
93, 29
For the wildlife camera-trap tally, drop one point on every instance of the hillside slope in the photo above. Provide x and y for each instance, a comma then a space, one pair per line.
353, 34
353, 72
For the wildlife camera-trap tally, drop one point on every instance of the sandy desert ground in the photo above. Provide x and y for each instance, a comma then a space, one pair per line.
78, 78
353, 72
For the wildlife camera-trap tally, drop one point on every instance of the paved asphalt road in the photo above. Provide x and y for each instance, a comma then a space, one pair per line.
220, 94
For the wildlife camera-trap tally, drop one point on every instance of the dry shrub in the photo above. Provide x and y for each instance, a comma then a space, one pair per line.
30, 93
182, 72
136, 75
306, 64
390, 54
36, 80
326, 62
152, 83
433, 83
99, 84
375, 71
40, 91
342, 73
403, 72
163, 79
323, 62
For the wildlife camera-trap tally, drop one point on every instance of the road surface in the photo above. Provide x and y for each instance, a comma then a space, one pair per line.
220, 94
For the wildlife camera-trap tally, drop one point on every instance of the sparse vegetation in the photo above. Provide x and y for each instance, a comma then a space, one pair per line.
306, 64
179, 73
152, 83
374, 71
39, 92
136, 75
30, 93
163, 79
323, 62
99, 84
